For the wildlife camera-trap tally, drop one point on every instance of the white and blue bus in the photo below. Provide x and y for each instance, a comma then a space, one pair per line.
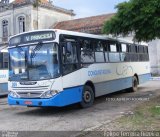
59, 68
3, 71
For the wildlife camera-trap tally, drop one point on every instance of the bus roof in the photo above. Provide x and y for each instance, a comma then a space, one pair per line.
82, 35
67, 32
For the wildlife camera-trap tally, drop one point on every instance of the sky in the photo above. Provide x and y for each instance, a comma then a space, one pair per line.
86, 8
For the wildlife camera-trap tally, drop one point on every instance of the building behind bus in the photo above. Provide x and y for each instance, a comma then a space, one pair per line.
23, 15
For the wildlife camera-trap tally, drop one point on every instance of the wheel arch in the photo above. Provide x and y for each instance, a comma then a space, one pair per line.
90, 83
136, 75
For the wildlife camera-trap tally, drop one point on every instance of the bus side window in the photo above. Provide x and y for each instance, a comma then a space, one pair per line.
99, 54
114, 52
106, 50
87, 52
133, 54
140, 53
69, 57
70, 53
128, 56
123, 53
146, 54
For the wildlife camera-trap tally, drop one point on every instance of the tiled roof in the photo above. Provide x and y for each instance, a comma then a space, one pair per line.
24, 1
18, 1
92, 24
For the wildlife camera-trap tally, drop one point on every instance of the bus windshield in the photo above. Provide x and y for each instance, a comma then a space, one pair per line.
35, 62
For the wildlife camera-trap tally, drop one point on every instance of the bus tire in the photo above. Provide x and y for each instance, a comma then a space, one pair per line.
134, 87
87, 97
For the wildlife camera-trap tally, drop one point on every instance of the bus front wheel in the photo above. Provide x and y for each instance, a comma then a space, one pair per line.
134, 87
87, 97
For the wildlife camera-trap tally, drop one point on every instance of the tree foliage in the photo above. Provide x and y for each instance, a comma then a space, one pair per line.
36, 3
141, 17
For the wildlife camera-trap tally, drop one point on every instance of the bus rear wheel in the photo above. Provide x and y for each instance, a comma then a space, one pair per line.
87, 97
134, 87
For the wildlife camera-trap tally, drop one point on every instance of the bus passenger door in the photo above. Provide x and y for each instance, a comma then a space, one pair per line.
70, 64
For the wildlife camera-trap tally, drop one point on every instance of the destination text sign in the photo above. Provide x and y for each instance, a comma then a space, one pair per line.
38, 36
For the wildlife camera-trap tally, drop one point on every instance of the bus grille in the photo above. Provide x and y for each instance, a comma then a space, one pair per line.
30, 92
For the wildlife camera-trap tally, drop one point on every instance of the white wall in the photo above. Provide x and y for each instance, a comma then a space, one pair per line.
154, 53
47, 17
6, 16
12, 17
26, 12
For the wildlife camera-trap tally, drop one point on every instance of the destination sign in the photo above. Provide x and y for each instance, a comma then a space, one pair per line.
38, 37
31, 37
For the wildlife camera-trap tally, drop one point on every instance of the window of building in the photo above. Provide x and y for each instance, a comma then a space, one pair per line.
5, 28
21, 21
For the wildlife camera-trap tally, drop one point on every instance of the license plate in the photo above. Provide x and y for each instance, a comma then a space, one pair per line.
28, 102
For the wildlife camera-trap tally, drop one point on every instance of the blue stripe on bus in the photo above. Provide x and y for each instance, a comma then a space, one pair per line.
64, 98
112, 86
74, 95
118, 84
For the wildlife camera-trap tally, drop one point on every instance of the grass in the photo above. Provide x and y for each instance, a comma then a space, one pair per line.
145, 117
155, 111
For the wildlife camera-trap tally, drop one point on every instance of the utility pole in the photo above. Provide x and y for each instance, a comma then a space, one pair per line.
37, 16
36, 5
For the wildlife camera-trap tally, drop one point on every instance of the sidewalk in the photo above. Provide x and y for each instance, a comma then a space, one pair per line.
155, 78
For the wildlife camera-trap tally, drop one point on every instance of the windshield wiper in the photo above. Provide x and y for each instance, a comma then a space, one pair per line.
37, 48
20, 50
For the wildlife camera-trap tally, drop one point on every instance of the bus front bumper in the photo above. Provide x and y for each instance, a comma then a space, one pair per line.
64, 98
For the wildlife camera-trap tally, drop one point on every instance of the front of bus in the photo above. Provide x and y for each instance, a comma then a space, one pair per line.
34, 69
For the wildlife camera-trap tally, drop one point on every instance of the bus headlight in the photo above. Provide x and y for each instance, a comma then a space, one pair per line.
14, 94
49, 94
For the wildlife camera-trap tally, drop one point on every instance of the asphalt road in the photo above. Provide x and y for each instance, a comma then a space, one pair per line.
72, 118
